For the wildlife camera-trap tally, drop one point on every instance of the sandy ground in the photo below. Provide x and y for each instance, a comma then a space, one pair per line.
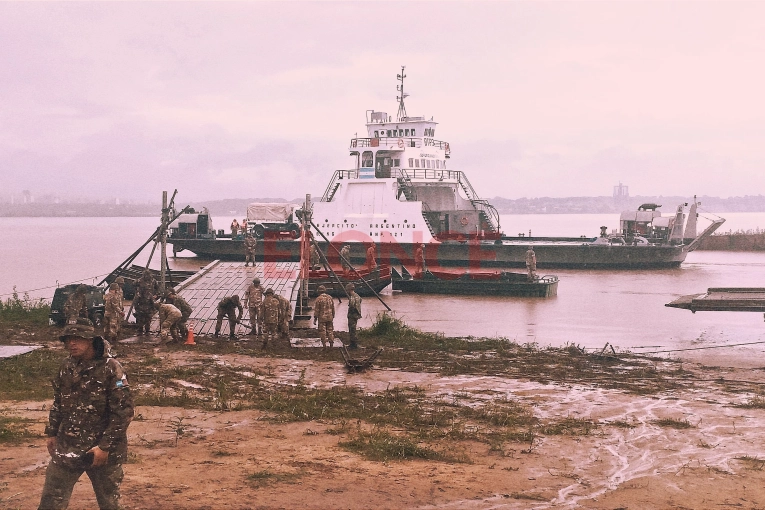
714, 464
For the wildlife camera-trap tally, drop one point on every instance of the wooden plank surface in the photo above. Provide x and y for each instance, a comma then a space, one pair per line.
221, 279
733, 299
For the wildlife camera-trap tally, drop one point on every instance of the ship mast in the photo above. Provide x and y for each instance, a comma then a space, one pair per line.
401, 108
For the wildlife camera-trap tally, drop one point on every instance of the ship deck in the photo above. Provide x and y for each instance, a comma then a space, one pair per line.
219, 279
723, 299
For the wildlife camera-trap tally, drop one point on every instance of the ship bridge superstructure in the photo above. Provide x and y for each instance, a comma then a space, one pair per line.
400, 173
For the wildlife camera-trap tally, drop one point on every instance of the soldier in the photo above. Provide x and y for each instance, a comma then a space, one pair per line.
324, 314
113, 312
314, 258
88, 421
253, 297
228, 307
419, 260
272, 316
234, 228
354, 313
249, 249
120, 281
531, 263
345, 258
76, 305
147, 283
286, 315
371, 257
169, 316
185, 309
143, 303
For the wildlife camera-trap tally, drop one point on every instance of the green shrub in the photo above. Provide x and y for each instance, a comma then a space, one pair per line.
26, 309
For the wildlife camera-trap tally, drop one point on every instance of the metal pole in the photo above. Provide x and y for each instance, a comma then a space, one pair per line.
163, 240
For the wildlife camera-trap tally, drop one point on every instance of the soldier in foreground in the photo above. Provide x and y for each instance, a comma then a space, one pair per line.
113, 312
249, 249
253, 298
182, 305
271, 315
324, 316
228, 307
87, 427
169, 316
354, 314
286, 314
76, 305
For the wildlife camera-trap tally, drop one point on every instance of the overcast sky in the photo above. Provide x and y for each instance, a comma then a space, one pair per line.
260, 99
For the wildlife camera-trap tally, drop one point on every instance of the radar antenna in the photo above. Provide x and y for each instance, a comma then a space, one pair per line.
400, 88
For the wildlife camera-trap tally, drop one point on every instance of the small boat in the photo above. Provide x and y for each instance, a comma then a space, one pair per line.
378, 278
475, 282
723, 299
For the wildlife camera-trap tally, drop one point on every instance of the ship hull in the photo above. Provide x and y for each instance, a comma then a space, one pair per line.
506, 254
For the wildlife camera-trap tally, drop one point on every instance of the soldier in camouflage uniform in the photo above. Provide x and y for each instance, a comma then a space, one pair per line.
76, 305
113, 312
324, 315
253, 298
169, 315
228, 307
120, 281
371, 257
314, 258
144, 303
345, 258
182, 305
531, 264
419, 260
286, 314
354, 313
87, 427
249, 249
271, 311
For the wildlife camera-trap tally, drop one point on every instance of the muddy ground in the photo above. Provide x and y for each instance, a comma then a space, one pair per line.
438, 423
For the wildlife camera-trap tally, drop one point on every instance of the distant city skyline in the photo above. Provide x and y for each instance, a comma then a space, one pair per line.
229, 100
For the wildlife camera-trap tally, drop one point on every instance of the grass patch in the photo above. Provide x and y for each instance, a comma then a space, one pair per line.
24, 310
756, 402
568, 427
14, 429
381, 445
28, 377
673, 423
267, 477
752, 463
532, 496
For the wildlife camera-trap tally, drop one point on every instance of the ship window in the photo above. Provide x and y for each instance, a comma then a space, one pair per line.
406, 131
396, 162
417, 163
389, 133
366, 159
413, 133
423, 162
376, 135
411, 162
427, 162
438, 164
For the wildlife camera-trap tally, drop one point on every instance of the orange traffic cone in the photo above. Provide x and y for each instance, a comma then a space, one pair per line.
190, 337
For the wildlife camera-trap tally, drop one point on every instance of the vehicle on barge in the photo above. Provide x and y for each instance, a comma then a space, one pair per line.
401, 192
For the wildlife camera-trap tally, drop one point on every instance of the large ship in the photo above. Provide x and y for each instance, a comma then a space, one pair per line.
401, 192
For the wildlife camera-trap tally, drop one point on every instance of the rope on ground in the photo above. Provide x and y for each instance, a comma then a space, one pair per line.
702, 348
22, 292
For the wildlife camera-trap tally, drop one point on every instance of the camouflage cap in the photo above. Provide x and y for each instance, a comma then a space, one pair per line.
269, 290
350, 287
119, 280
83, 328
322, 288
256, 281
114, 286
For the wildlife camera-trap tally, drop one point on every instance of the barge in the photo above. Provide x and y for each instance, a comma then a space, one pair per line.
400, 192
472, 282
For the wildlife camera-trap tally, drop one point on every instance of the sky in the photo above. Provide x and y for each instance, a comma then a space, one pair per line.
260, 99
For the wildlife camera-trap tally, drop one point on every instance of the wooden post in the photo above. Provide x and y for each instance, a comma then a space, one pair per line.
163, 240
305, 254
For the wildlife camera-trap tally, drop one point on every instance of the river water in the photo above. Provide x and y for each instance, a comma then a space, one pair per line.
623, 308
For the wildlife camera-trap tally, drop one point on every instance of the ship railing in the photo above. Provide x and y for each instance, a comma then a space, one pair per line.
481, 205
333, 185
425, 173
399, 142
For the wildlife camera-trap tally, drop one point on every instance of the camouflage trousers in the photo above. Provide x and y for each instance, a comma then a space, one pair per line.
269, 332
352, 321
169, 328
327, 332
60, 480
111, 326
249, 256
256, 320
143, 321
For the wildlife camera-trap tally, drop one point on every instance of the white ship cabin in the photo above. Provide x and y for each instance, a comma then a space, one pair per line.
400, 189
649, 223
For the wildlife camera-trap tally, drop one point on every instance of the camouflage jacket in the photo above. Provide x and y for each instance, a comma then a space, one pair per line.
183, 306
228, 305
92, 406
76, 305
271, 310
345, 254
354, 306
250, 243
113, 304
324, 308
285, 306
168, 311
253, 296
